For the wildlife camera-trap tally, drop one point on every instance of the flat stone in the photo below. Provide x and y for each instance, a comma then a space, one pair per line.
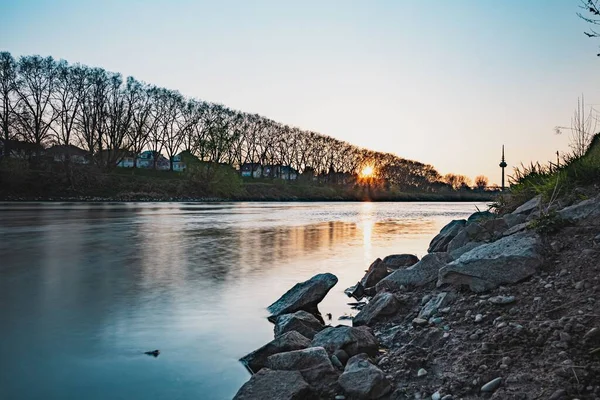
275, 385
501, 300
353, 340
363, 380
492, 385
382, 305
396, 261
420, 274
301, 321
529, 206
304, 296
289, 341
434, 304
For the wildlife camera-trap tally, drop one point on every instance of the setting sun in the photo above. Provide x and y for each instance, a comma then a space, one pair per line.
367, 171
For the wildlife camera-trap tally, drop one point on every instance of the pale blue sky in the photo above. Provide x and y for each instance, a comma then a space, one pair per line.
442, 82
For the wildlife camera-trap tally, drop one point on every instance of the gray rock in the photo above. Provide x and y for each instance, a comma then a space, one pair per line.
304, 296
434, 304
585, 209
287, 342
592, 336
492, 385
529, 206
336, 362
481, 215
342, 356
500, 300
382, 305
514, 219
440, 242
363, 380
421, 372
376, 272
559, 394
471, 233
420, 274
455, 254
350, 339
314, 365
396, 261
275, 385
357, 291
516, 229
507, 260
301, 321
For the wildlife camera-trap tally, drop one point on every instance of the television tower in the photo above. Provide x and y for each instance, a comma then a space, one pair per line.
503, 165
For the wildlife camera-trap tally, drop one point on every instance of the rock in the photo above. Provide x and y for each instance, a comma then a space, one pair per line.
376, 272
342, 356
363, 380
275, 385
433, 305
514, 219
304, 296
396, 261
382, 305
436, 396
455, 254
516, 229
314, 365
357, 291
337, 363
419, 321
492, 385
559, 394
420, 274
301, 321
529, 206
287, 342
500, 300
507, 260
593, 335
350, 339
440, 242
421, 372
585, 209
471, 233
481, 215
478, 318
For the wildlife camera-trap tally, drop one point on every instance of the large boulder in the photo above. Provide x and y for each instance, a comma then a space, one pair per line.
301, 321
514, 219
314, 365
420, 274
382, 305
480, 216
350, 339
287, 342
507, 260
396, 261
585, 209
440, 242
363, 380
470, 233
304, 295
376, 272
276, 385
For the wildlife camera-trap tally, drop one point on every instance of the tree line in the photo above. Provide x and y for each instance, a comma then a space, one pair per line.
48, 102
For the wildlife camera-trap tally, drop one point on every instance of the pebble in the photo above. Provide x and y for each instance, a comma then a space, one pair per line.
592, 334
478, 318
340, 397
579, 285
468, 313
436, 396
421, 372
474, 337
564, 336
506, 360
537, 298
548, 286
447, 397
492, 385
419, 321
558, 395
501, 325
499, 300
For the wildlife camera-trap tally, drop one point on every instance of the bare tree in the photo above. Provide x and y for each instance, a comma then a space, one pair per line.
8, 82
583, 127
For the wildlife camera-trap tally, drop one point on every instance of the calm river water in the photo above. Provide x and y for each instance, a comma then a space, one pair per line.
86, 288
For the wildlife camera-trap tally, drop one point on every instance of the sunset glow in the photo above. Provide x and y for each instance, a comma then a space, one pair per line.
367, 171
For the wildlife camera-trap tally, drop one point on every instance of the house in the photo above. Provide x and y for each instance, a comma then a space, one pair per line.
153, 160
115, 157
253, 170
179, 164
19, 149
280, 171
62, 153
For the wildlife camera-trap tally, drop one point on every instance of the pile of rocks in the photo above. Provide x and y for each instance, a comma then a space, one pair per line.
495, 309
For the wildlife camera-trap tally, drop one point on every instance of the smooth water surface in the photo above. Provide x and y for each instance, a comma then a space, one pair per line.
86, 288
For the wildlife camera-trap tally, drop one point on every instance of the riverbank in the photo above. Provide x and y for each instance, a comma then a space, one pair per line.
156, 186
503, 306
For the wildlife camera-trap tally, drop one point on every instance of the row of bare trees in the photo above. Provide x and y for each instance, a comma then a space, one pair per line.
44, 101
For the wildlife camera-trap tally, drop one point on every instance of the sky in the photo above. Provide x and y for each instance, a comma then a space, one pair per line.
441, 82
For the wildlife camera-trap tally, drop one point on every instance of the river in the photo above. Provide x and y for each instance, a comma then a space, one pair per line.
86, 288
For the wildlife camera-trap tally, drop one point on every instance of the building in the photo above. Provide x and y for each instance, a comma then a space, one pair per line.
73, 154
280, 171
253, 170
179, 164
19, 149
153, 160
